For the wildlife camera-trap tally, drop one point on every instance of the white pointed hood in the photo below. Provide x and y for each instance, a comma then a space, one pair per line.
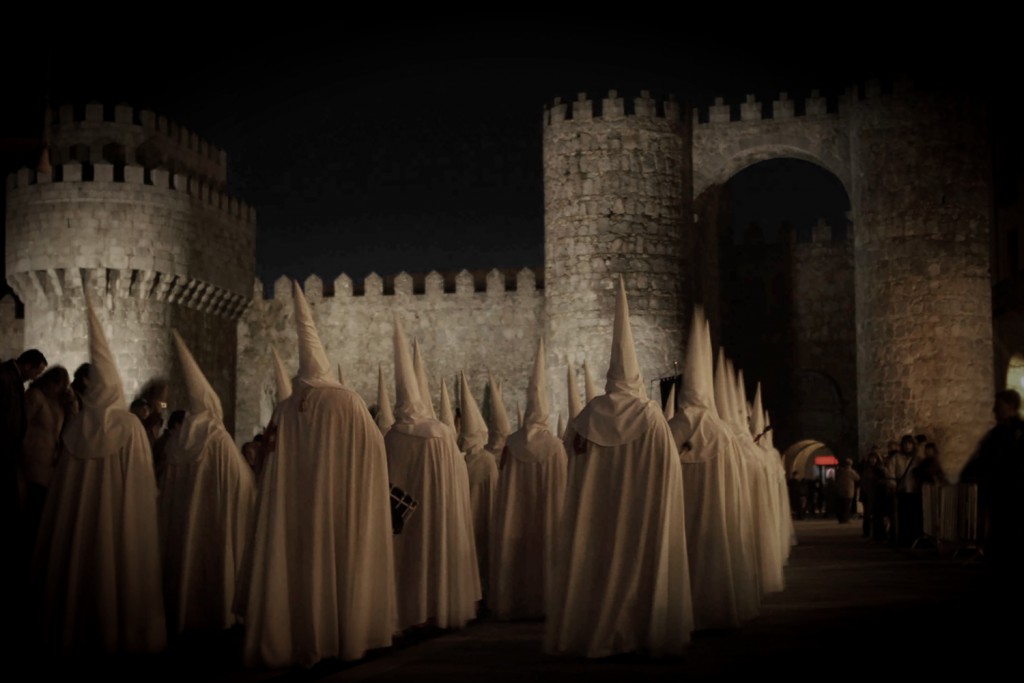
525, 442
742, 411
411, 414
722, 391
498, 426
519, 415
670, 404
446, 416
205, 415
314, 368
769, 440
574, 395
341, 377
385, 417
621, 415
589, 389
101, 428
421, 378
698, 383
757, 417
474, 429
284, 384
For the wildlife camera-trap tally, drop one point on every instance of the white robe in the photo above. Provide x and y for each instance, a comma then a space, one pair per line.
622, 579
205, 508
723, 571
319, 581
482, 468
531, 491
435, 565
763, 493
97, 558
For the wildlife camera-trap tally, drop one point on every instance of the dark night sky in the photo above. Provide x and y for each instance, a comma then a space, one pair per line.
371, 147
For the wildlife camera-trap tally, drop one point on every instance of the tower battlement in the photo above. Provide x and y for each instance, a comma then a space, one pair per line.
612, 108
122, 134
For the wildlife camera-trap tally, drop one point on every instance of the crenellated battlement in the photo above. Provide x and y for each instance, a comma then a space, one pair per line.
146, 119
105, 174
781, 108
612, 108
433, 284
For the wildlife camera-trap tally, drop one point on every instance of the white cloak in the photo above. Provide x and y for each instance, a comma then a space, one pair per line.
622, 578
206, 507
97, 557
531, 490
435, 565
482, 468
319, 582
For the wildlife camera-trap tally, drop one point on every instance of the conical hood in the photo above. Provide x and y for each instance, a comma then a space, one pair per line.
105, 388
341, 377
670, 405
769, 440
499, 426
474, 429
411, 414
722, 390
623, 367
757, 415
698, 382
313, 363
421, 378
102, 427
537, 410
201, 396
284, 385
385, 417
574, 395
446, 416
589, 390
742, 412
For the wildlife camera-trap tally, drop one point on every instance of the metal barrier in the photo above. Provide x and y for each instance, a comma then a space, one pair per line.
951, 515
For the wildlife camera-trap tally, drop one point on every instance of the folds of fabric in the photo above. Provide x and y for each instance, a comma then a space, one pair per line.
622, 579
205, 508
97, 560
482, 470
320, 583
435, 567
525, 528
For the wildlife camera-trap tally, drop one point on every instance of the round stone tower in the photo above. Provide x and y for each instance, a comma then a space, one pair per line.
616, 200
923, 201
133, 208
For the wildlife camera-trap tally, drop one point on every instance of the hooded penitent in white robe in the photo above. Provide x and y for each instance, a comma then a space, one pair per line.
482, 469
320, 581
723, 572
498, 425
765, 521
622, 579
776, 476
435, 555
97, 558
531, 489
789, 530
205, 508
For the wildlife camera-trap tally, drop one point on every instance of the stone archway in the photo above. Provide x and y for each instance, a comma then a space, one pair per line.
783, 301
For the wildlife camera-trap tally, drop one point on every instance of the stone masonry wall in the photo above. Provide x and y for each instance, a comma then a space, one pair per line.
922, 198
161, 250
823, 332
616, 201
459, 330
